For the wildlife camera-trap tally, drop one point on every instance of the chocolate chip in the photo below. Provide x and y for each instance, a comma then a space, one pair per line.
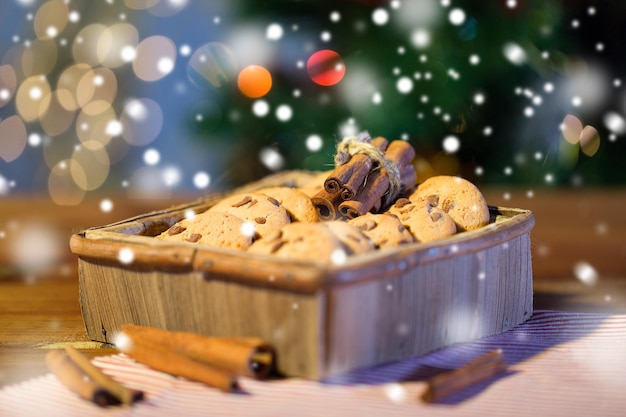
277, 246
194, 237
435, 216
433, 200
243, 202
273, 201
401, 202
260, 220
367, 226
176, 229
447, 205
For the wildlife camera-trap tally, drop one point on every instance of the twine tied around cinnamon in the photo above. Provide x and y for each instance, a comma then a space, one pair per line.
369, 175
361, 144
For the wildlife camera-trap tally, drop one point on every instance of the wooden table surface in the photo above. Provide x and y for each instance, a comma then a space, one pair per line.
578, 248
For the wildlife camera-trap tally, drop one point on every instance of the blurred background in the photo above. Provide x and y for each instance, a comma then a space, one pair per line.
152, 97
113, 108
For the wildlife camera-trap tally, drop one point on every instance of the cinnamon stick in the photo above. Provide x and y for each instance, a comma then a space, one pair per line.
326, 204
376, 186
123, 394
400, 153
480, 369
250, 357
358, 168
73, 377
380, 143
408, 178
169, 361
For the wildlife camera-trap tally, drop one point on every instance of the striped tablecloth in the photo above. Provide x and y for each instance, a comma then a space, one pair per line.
561, 364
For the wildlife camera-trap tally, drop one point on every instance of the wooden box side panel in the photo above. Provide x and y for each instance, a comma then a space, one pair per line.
111, 296
430, 306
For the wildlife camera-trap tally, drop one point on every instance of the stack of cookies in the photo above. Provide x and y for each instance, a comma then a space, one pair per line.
283, 221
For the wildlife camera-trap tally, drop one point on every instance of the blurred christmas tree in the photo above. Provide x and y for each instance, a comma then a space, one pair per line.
147, 94
480, 89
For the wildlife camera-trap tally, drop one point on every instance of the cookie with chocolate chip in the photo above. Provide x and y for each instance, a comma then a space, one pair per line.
296, 202
262, 211
457, 197
352, 237
384, 229
425, 222
212, 229
302, 241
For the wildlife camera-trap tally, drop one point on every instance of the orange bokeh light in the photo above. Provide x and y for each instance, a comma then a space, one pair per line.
254, 81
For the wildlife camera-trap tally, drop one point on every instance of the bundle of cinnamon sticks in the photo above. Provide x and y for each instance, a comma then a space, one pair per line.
369, 175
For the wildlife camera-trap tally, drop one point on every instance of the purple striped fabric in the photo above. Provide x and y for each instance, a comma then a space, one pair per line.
560, 364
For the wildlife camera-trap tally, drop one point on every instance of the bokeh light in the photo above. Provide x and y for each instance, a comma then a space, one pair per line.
272, 159
61, 186
326, 67
51, 18
284, 112
421, 38
54, 118
404, 85
106, 205
571, 127
126, 256
380, 16
514, 53
586, 273
274, 32
254, 81
85, 45
589, 140
314, 143
8, 84
151, 156
97, 89
201, 180
12, 138
29, 99
456, 16
96, 126
165, 8
91, 165
40, 57
451, 144
260, 108
142, 121
212, 65
154, 58
117, 45
67, 85
615, 122
35, 246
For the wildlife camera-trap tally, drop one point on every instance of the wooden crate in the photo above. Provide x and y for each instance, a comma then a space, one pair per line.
322, 320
